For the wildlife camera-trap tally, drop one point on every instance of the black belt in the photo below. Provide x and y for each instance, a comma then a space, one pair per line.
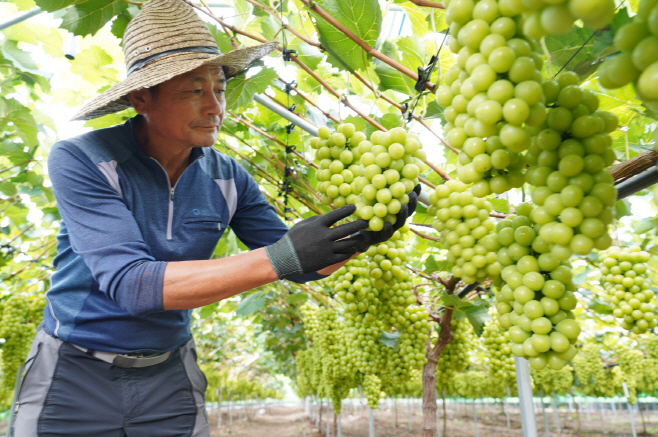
123, 360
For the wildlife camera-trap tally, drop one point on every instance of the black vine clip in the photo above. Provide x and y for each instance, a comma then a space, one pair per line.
292, 107
405, 107
287, 53
289, 86
290, 149
424, 74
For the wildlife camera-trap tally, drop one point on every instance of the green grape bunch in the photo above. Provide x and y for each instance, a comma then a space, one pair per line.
627, 287
492, 96
637, 62
552, 381
372, 390
466, 230
573, 194
592, 378
536, 299
21, 315
500, 360
376, 175
455, 357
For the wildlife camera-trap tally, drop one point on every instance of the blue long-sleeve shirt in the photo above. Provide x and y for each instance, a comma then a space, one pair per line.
122, 221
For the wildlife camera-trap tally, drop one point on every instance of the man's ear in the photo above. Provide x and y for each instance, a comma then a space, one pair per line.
140, 100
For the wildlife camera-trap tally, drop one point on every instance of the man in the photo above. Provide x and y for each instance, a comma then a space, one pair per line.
143, 206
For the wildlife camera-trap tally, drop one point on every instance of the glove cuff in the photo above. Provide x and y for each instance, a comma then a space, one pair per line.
283, 257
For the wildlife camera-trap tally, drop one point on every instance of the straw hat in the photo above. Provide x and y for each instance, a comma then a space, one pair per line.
165, 39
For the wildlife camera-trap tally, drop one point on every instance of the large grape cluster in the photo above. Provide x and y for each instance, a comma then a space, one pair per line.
376, 175
493, 95
625, 280
551, 381
496, 341
536, 299
372, 390
573, 194
630, 361
322, 368
20, 316
474, 384
455, 357
637, 62
592, 379
466, 230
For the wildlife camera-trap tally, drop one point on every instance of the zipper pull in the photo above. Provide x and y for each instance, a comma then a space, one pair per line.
172, 194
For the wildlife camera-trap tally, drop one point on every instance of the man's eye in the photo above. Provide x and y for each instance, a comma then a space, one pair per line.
220, 91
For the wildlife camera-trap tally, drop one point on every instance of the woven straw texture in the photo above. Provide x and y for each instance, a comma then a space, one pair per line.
164, 25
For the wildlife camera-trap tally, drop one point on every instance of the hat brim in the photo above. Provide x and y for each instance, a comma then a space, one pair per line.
115, 99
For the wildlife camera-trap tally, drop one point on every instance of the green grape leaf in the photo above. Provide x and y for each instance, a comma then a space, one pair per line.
581, 277
646, 225
221, 38
8, 188
208, 310
622, 208
431, 265
121, 21
88, 17
362, 17
251, 304
390, 339
298, 298
563, 47
309, 55
434, 110
477, 315
600, 307
389, 77
54, 5
24, 124
500, 205
20, 59
240, 90
228, 307
94, 65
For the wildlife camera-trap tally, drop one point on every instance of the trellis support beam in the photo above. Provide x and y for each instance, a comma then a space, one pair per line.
288, 115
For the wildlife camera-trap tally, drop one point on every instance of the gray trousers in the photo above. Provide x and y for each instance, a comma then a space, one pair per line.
67, 392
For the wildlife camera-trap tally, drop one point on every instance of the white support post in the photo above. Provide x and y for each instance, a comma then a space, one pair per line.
556, 416
371, 423
328, 428
219, 408
506, 407
528, 420
409, 412
601, 412
631, 413
475, 418
14, 401
230, 407
614, 408
543, 412
338, 433
395, 412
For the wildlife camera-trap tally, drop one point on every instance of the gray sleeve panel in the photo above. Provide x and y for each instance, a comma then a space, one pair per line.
199, 385
39, 370
109, 169
284, 259
230, 194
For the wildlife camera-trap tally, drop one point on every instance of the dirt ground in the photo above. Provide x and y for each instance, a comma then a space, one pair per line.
289, 421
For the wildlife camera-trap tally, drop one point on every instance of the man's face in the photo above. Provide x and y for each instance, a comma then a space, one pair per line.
189, 109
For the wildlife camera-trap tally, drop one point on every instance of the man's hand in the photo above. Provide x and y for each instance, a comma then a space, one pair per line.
372, 237
312, 244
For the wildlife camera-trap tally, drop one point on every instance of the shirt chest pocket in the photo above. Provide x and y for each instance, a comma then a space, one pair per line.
211, 224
